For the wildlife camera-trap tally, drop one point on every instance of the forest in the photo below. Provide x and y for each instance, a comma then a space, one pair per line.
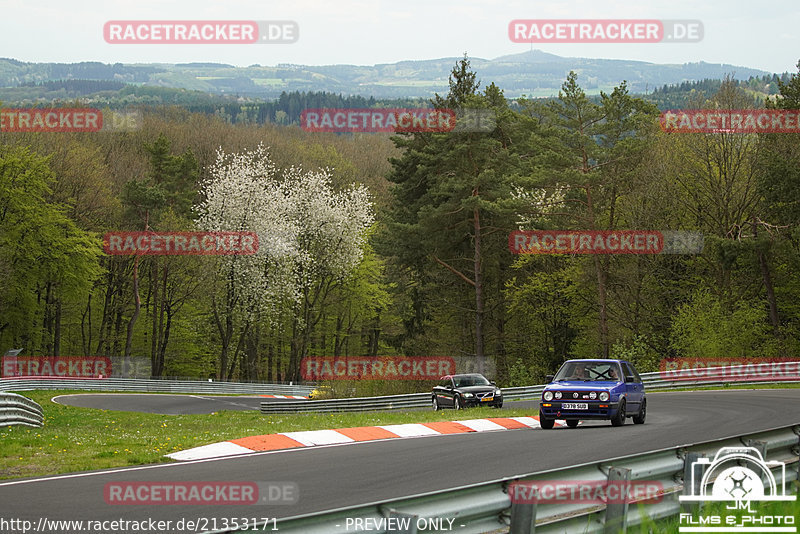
379, 244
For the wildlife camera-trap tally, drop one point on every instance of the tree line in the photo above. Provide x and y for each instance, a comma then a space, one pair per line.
398, 245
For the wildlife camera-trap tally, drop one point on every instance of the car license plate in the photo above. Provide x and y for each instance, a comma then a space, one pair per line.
487, 399
575, 406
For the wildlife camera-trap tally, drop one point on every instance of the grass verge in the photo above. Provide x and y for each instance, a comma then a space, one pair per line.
770, 513
81, 439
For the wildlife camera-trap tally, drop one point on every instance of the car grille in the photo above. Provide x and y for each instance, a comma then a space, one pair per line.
572, 396
483, 395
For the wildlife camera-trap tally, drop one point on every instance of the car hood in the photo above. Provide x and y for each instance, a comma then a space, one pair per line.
477, 389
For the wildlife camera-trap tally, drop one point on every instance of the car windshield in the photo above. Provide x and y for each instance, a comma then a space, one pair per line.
588, 371
470, 380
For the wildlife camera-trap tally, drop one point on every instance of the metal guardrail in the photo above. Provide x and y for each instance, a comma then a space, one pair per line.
487, 506
387, 402
18, 410
713, 376
145, 385
358, 404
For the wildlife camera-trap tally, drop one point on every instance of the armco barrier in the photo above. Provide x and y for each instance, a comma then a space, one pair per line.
18, 410
487, 506
359, 404
714, 376
157, 386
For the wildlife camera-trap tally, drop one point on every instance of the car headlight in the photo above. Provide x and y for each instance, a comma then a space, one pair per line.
593, 395
558, 394
468, 395
604, 396
498, 392
548, 395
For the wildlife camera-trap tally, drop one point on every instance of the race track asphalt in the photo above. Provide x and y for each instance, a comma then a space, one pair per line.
352, 474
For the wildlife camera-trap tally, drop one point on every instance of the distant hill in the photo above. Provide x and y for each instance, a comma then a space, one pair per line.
533, 73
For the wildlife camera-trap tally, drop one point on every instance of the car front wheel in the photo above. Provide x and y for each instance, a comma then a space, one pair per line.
435, 404
638, 419
546, 423
619, 419
457, 403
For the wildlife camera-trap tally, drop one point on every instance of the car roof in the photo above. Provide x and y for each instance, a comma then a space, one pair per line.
599, 360
463, 374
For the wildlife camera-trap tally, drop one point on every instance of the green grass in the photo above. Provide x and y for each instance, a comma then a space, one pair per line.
81, 439
671, 524
268, 81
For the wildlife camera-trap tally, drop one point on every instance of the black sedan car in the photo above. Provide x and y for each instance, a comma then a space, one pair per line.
463, 391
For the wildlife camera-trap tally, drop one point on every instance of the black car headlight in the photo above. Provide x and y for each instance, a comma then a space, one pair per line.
548, 395
498, 392
604, 396
468, 395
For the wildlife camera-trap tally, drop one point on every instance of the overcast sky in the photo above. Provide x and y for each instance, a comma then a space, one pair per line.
763, 35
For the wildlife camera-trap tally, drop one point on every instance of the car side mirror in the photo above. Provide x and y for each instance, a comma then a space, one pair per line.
492, 382
549, 378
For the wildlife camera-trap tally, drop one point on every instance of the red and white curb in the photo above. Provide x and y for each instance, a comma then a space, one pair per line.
310, 438
283, 396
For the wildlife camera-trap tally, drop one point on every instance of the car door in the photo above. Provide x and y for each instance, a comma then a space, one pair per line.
444, 392
633, 387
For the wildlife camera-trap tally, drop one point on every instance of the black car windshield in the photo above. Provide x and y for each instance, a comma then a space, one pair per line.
588, 371
470, 380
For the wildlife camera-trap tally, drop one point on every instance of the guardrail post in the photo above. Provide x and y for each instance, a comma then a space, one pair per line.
691, 484
761, 447
412, 522
523, 518
796, 450
617, 512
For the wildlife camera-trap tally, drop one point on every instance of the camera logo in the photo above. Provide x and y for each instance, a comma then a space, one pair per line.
737, 474
741, 475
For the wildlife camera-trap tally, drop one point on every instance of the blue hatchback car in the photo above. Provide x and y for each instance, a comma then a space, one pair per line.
593, 389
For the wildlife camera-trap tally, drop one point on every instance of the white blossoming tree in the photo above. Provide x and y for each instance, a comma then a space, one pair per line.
330, 242
536, 203
310, 239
